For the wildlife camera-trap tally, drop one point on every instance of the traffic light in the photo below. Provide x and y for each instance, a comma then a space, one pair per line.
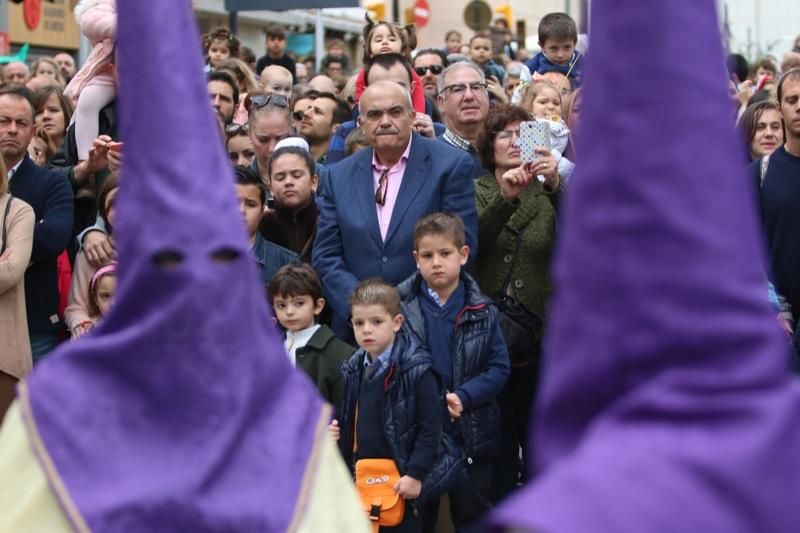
506, 12
377, 10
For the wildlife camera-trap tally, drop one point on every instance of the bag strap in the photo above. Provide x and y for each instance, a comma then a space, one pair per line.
764, 168
355, 432
5, 216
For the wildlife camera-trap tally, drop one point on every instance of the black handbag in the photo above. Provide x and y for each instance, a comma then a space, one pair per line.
522, 328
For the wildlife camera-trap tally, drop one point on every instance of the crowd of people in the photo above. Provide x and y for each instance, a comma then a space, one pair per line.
402, 236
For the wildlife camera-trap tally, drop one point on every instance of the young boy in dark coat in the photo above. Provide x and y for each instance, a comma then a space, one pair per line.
459, 325
296, 295
392, 408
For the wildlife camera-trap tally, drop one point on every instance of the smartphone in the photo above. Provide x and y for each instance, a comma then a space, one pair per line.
115, 146
533, 134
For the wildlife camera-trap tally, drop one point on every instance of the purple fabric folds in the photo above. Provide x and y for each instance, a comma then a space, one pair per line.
666, 403
181, 412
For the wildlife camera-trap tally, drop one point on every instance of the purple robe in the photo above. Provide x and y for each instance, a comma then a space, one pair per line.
666, 403
181, 411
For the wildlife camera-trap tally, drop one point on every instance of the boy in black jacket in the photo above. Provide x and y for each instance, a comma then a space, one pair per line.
392, 405
459, 325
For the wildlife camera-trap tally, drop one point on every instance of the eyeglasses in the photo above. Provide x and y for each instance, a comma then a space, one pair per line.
298, 115
235, 129
460, 89
260, 100
507, 135
435, 69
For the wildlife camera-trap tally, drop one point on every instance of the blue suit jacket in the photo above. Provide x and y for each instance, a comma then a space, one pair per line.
349, 247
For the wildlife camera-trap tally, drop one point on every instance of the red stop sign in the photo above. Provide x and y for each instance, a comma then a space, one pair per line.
421, 13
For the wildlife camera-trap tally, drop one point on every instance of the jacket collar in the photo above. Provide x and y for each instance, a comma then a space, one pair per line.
320, 338
414, 178
473, 297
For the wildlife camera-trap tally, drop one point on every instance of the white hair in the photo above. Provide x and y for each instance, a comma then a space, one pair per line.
440, 83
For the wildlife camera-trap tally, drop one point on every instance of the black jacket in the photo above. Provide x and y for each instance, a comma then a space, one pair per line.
402, 419
50, 196
480, 361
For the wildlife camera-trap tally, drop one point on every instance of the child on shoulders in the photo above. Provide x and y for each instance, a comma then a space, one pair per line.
558, 36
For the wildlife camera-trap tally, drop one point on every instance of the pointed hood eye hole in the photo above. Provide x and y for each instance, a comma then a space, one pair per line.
168, 258
225, 255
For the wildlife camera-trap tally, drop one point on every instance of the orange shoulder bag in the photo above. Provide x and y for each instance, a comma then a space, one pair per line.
375, 481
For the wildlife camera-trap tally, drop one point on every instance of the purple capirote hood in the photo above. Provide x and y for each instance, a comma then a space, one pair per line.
181, 411
666, 403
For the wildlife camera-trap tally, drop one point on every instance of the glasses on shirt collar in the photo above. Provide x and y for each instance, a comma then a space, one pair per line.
383, 186
460, 89
435, 69
260, 100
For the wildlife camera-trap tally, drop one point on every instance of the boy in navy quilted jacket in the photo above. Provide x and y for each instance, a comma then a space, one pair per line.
459, 325
392, 402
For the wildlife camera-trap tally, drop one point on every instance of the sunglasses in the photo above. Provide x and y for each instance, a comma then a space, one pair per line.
235, 129
435, 69
261, 100
298, 115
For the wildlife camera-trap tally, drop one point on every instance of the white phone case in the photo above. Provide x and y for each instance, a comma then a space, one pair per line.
533, 134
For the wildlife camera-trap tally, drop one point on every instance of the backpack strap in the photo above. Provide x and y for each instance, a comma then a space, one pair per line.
764, 168
5, 216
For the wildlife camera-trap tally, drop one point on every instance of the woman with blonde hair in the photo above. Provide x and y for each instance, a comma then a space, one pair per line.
16, 241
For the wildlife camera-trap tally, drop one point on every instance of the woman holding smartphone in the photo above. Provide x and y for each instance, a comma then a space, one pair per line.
516, 229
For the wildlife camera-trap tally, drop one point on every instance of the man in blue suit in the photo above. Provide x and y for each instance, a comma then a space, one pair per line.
371, 200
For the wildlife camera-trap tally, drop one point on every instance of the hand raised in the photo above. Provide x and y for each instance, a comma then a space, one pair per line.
513, 182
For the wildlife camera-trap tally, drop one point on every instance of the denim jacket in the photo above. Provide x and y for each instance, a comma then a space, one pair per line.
271, 257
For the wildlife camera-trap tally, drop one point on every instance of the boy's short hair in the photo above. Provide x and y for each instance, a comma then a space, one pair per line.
452, 33
376, 291
335, 42
354, 138
275, 30
443, 224
295, 280
483, 34
247, 176
558, 26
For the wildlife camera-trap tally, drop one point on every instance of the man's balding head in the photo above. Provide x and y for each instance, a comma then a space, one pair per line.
16, 72
387, 119
323, 84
